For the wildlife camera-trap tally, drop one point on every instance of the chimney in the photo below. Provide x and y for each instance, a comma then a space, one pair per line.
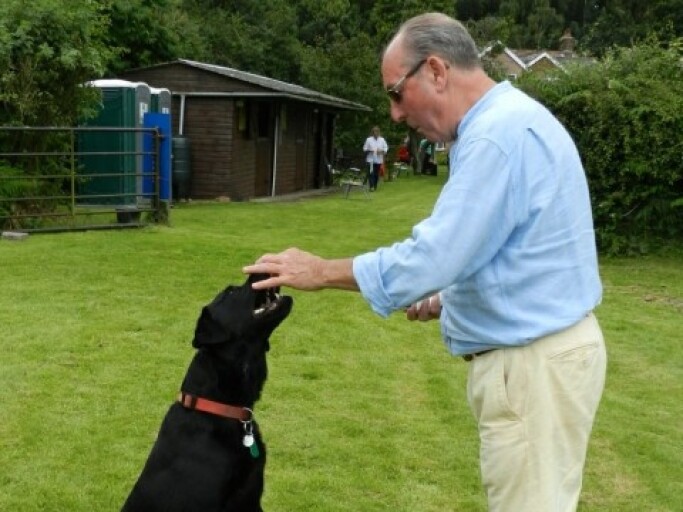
567, 42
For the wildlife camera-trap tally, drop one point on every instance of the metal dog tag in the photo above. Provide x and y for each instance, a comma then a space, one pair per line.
248, 440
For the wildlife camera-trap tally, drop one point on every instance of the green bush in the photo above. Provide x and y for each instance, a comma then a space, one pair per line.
12, 187
626, 115
48, 49
26, 200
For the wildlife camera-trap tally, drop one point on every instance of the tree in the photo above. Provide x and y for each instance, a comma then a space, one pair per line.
491, 29
252, 35
627, 22
626, 115
48, 50
147, 32
544, 25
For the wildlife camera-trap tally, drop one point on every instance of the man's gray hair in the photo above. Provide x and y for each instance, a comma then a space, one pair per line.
439, 34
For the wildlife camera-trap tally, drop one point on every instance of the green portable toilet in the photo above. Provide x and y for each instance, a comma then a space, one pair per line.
124, 105
161, 100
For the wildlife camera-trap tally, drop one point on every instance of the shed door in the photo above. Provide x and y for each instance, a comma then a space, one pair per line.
264, 149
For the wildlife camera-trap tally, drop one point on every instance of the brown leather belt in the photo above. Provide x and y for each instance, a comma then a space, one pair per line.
469, 357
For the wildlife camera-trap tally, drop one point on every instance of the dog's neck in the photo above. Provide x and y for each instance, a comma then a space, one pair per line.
197, 403
213, 378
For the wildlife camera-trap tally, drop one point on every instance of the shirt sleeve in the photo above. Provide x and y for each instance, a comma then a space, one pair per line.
471, 220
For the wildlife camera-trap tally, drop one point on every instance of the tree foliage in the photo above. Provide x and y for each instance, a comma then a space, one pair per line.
626, 116
627, 22
48, 50
624, 112
146, 32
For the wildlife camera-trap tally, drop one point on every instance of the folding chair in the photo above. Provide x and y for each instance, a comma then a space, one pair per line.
398, 168
348, 178
355, 178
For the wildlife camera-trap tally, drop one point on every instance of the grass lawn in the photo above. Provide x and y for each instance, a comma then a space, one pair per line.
359, 413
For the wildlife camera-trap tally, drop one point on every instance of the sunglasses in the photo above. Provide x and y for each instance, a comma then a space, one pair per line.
394, 92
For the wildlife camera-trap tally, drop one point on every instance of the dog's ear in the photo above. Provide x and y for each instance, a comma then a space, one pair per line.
208, 331
219, 319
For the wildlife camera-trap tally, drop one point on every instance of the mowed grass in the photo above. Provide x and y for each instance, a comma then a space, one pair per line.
359, 413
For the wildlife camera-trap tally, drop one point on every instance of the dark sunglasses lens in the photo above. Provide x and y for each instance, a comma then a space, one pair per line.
395, 96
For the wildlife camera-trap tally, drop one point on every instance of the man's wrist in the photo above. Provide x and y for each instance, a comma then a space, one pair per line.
337, 274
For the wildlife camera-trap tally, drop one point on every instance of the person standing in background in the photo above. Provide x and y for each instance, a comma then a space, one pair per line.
375, 148
428, 165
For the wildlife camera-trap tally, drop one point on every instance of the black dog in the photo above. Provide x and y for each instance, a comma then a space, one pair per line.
209, 455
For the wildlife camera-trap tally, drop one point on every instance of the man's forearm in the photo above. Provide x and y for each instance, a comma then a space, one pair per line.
338, 274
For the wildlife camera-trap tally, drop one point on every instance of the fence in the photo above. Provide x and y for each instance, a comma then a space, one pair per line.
79, 178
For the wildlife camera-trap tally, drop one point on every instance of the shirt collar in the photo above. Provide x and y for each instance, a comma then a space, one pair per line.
483, 103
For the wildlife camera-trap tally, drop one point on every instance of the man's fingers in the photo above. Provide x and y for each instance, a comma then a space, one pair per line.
292, 268
271, 282
411, 312
424, 310
435, 306
261, 268
269, 258
276, 265
271, 269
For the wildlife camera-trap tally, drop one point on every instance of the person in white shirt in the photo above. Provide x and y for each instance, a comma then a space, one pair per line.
375, 148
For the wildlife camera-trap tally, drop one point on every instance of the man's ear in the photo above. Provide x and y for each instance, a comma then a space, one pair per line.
438, 70
208, 331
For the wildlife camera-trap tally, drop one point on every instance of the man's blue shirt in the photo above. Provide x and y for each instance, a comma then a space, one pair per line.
510, 243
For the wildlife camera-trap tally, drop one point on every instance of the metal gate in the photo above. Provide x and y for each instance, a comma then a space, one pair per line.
79, 178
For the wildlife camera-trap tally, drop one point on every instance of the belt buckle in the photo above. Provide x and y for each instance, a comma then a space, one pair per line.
470, 357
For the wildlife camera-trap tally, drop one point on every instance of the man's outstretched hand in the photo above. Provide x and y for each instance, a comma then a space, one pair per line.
303, 271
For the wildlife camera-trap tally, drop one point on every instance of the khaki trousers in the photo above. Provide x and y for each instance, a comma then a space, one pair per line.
535, 406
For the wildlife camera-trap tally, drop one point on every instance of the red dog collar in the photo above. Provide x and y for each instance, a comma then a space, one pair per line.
196, 403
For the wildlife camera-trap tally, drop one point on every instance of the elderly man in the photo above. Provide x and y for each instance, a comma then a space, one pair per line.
506, 260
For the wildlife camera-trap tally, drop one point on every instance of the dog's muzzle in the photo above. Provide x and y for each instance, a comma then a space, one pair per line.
270, 299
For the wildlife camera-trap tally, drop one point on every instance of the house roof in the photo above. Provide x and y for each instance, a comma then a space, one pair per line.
541, 56
274, 88
510, 53
527, 59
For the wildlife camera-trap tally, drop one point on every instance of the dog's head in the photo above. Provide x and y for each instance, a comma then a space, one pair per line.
240, 313
232, 338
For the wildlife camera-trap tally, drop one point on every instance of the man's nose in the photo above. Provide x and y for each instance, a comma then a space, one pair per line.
397, 114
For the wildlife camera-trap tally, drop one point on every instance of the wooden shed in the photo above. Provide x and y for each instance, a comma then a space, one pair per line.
249, 135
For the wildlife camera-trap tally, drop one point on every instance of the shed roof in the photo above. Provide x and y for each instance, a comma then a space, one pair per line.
274, 88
